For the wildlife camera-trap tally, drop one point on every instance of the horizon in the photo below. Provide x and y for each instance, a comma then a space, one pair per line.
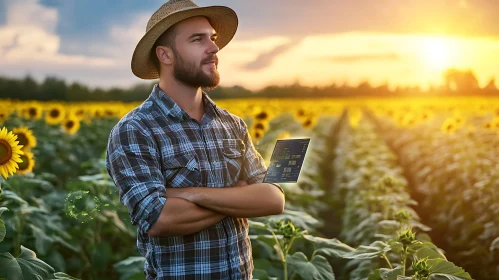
398, 44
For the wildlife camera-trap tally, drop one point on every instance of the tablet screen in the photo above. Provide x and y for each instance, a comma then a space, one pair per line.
286, 160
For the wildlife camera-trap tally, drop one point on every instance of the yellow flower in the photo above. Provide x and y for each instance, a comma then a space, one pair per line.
71, 125
5, 112
284, 135
309, 122
33, 111
78, 112
495, 124
299, 113
256, 134
261, 125
25, 137
27, 163
55, 114
449, 126
10, 153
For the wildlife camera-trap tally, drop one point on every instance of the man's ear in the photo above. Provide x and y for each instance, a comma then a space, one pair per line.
164, 54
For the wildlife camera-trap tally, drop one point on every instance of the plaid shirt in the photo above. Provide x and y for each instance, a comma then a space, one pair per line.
158, 146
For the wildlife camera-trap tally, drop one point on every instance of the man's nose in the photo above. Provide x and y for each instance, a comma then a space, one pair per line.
213, 48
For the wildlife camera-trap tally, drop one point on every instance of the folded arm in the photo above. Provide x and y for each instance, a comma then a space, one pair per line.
181, 217
254, 200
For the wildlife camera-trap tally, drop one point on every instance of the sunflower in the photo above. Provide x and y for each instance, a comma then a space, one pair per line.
309, 122
284, 135
257, 134
27, 163
449, 126
32, 111
25, 137
4, 114
261, 125
71, 125
10, 153
78, 112
55, 114
300, 113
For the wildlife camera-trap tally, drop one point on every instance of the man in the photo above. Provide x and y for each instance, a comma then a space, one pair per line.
186, 169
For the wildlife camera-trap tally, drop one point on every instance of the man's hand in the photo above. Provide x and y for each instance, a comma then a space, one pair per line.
245, 201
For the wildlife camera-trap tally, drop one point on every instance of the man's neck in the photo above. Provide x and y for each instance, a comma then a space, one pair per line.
188, 98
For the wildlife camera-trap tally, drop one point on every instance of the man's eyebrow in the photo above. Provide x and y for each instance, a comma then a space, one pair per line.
201, 34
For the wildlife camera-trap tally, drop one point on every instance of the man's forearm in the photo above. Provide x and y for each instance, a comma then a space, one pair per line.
255, 200
181, 217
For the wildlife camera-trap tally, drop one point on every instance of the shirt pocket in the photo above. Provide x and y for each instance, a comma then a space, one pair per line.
182, 170
233, 154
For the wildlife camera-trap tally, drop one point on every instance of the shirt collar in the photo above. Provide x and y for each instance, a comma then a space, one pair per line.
170, 107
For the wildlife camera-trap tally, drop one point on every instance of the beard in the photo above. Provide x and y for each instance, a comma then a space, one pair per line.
191, 75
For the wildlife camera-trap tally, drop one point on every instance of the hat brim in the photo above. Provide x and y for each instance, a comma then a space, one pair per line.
223, 19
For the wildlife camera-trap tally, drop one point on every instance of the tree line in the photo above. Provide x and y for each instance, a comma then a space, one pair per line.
456, 83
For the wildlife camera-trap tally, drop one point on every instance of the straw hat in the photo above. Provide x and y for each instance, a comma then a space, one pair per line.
223, 19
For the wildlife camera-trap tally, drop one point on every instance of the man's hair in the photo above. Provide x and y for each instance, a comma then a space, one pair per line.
167, 39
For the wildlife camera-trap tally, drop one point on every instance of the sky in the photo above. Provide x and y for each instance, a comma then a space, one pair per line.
278, 42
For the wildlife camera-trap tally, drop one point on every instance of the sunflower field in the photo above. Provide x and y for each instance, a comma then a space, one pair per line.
390, 189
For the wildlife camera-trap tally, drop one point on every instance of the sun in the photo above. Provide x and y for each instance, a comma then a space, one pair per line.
437, 52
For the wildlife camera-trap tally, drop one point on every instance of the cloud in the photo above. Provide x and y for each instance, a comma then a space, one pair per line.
265, 59
361, 57
30, 13
29, 44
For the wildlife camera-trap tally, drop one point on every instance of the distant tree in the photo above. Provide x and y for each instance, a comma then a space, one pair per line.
53, 89
491, 85
463, 81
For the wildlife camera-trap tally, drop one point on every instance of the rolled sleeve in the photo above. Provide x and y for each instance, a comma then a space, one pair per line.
254, 167
132, 161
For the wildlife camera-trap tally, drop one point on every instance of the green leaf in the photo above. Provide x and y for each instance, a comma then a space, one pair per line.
375, 275
101, 255
441, 266
42, 241
316, 269
329, 247
430, 252
9, 195
298, 218
396, 246
63, 276
131, 268
260, 274
2, 209
376, 249
493, 246
3, 231
257, 225
441, 276
390, 274
26, 266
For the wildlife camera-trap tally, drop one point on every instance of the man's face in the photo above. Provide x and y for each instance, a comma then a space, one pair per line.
195, 61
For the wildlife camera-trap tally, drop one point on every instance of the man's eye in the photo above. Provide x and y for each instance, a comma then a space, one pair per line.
198, 39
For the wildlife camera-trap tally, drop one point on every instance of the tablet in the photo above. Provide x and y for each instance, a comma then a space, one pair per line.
286, 161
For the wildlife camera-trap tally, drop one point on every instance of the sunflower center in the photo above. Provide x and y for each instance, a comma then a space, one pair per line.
259, 126
5, 152
262, 116
24, 164
54, 113
23, 140
70, 124
32, 112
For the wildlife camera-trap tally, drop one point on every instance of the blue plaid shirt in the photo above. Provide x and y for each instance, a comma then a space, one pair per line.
157, 146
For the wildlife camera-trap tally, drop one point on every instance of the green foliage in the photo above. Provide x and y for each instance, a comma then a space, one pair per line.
453, 176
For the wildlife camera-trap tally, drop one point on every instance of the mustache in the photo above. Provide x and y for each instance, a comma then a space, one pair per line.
208, 60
